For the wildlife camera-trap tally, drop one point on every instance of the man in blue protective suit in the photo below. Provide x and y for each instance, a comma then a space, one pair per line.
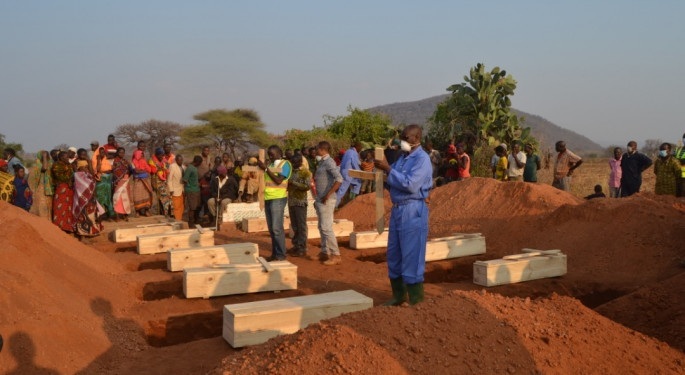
409, 182
350, 187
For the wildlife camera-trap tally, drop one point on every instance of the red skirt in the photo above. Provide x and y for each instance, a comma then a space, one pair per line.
62, 205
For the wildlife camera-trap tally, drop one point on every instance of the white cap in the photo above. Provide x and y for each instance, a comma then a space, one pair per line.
504, 145
72, 148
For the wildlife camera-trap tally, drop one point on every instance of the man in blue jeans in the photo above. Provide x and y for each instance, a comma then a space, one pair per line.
328, 179
275, 199
409, 182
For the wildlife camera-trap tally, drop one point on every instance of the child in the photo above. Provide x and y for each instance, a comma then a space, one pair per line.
598, 193
367, 166
502, 164
22, 193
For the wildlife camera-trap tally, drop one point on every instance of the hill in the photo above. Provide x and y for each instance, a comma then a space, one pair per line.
418, 112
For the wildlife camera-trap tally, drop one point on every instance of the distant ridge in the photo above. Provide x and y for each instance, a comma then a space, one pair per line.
419, 111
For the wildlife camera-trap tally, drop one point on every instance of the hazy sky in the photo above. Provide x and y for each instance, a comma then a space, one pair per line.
72, 71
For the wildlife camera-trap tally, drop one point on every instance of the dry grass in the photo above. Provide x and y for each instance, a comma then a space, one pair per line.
594, 172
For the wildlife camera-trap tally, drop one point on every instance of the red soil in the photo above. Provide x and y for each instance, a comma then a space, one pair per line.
102, 308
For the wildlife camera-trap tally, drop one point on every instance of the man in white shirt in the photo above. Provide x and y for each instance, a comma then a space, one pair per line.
176, 186
517, 163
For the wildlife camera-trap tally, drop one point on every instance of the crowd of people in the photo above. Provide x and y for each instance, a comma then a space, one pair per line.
78, 190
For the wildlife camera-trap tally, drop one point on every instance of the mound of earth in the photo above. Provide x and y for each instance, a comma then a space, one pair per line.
57, 293
463, 202
463, 332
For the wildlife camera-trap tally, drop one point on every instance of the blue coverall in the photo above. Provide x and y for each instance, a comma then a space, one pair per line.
409, 181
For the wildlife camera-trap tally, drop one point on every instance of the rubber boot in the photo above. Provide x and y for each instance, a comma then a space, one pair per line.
399, 292
415, 292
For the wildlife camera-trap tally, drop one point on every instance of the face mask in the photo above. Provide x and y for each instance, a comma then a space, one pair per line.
663, 153
319, 157
630, 149
405, 146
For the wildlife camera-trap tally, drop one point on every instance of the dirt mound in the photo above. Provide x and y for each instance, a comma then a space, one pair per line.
656, 309
56, 292
462, 202
463, 332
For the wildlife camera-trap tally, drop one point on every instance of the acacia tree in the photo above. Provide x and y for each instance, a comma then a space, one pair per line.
155, 133
226, 131
478, 111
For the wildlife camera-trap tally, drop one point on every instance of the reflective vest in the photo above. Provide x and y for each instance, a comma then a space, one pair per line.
273, 190
680, 155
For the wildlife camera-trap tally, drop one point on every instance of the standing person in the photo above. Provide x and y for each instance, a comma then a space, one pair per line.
615, 173
496, 159
176, 188
327, 180
667, 171
63, 200
501, 167
121, 177
192, 190
409, 182
12, 160
169, 157
298, 186
680, 157
311, 159
275, 199
517, 162
633, 163
160, 170
71, 151
224, 189
142, 187
463, 163
367, 166
435, 157
564, 166
40, 182
450, 164
350, 186
103, 186
530, 171
6, 183
204, 177
249, 183
86, 210
23, 197
111, 147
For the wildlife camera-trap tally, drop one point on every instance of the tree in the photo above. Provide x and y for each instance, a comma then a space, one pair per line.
651, 147
478, 112
360, 125
298, 138
155, 133
18, 147
227, 131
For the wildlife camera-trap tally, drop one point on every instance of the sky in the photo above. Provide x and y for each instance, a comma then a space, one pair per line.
72, 71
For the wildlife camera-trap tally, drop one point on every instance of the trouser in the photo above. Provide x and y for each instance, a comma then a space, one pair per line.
407, 238
630, 188
346, 192
194, 203
680, 187
211, 204
275, 212
298, 223
179, 206
614, 192
325, 211
563, 183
